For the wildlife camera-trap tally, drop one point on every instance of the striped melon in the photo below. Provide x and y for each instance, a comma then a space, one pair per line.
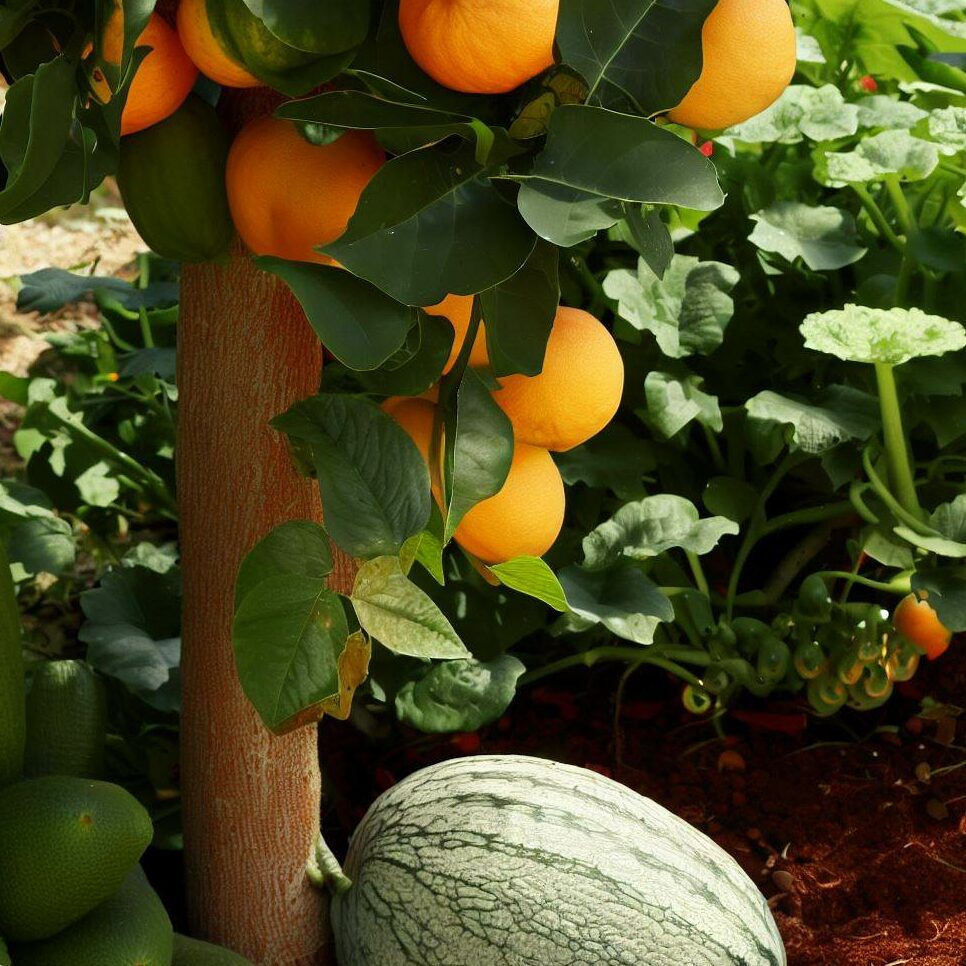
507, 860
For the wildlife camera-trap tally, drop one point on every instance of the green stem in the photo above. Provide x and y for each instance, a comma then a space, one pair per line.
797, 518
856, 490
12, 713
900, 586
878, 218
897, 453
715, 449
903, 211
700, 580
147, 335
150, 480
882, 491
324, 871
628, 655
756, 528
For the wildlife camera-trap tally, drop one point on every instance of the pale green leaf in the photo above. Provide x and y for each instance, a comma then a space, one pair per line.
888, 153
880, 110
823, 237
673, 403
816, 113
532, 576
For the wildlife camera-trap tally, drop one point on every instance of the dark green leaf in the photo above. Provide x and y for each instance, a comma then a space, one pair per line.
323, 28
49, 289
288, 634
519, 314
418, 364
356, 322
650, 237
565, 215
459, 695
429, 224
375, 485
637, 55
298, 548
947, 595
479, 452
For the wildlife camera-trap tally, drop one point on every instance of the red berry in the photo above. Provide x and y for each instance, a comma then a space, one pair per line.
868, 83
707, 149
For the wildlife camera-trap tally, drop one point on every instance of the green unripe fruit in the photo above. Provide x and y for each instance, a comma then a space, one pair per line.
66, 845
66, 721
826, 694
129, 929
193, 952
172, 180
809, 659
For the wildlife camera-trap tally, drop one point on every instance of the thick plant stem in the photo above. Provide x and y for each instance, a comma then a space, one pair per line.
251, 800
897, 453
12, 714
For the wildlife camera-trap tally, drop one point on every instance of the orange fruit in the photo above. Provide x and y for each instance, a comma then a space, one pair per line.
577, 393
458, 309
480, 46
918, 623
749, 52
163, 79
524, 518
203, 48
288, 195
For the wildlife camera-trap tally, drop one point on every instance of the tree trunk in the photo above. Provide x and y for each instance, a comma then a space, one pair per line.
251, 800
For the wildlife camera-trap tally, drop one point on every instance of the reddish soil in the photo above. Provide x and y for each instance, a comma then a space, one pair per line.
850, 827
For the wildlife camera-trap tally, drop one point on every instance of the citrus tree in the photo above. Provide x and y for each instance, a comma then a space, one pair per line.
405, 180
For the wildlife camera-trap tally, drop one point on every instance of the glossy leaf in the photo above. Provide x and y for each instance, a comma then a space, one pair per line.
645, 163
418, 364
393, 610
532, 576
297, 548
650, 237
361, 326
636, 55
288, 633
324, 28
519, 314
459, 695
374, 483
566, 216
430, 223
479, 452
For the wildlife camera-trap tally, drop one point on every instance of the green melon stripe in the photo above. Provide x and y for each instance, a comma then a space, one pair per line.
12, 713
582, 804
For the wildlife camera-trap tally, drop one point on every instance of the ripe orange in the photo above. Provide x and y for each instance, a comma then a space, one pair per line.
480, 46
203, 48
287, 194
163, 79
749, 52
524, 518
916, 621
458, 308
577, 393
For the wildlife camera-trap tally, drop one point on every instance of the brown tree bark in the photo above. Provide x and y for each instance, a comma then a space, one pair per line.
251, 800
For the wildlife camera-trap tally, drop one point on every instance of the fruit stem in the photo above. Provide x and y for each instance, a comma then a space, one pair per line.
900, 585
324, 871
12, 689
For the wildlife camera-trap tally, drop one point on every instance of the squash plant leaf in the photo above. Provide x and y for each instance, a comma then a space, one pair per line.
859, 333
374, 483
646, 164
890, 153
288, 634
479, 451
824, 238
519, 314
532, 576
673, 403
838, 414
361, 326
403, 618
621, 598
687, 310
636, 55
817, 113
36, 539
297, 547
431, 223
649, 527
461, 695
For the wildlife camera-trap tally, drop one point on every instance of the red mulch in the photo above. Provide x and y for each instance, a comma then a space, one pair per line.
860, 850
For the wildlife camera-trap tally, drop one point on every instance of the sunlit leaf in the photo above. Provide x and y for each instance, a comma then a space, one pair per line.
823, 237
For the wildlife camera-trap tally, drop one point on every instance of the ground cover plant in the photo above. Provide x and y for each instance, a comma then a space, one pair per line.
617, 345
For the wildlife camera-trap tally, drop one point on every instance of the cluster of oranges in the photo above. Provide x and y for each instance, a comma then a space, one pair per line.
288, 196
